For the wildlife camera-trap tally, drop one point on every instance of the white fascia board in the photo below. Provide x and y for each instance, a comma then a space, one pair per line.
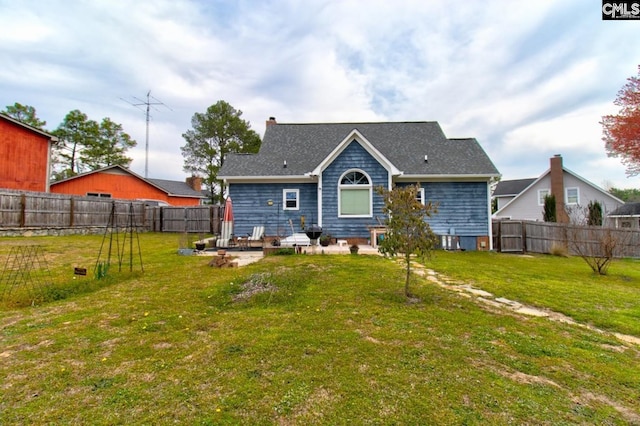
446, 178
355, 134
594, 186
268, 179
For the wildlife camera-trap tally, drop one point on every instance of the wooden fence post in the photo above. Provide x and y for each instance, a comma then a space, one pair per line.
23, 208
71, 211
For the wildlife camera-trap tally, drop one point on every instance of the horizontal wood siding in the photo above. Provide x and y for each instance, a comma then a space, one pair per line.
462, 208
354, 156
251, 207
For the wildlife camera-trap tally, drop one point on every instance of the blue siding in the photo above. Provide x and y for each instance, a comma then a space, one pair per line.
462, 208
251, 208
354, 156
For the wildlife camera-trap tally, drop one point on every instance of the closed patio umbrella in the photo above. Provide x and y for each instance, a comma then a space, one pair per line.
228, 211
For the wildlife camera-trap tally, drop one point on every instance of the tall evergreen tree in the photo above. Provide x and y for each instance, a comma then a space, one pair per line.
25, 114
215, 133
85, 145
74, 133
109, 148
549, 212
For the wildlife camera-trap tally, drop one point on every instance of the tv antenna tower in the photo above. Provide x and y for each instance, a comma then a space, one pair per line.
148, 103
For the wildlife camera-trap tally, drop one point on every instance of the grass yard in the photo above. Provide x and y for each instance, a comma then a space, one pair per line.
316, 340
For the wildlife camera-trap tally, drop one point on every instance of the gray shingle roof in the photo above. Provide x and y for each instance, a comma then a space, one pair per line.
404, 144
629, 209
175, 187
512, 187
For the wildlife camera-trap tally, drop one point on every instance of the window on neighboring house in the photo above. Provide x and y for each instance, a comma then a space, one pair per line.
572, 196
98, 194
290, 199
354, 194
541, 194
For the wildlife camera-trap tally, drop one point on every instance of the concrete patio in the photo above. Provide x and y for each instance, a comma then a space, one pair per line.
245, 257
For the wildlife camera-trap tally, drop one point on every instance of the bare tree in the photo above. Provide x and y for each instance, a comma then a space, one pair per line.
598, 246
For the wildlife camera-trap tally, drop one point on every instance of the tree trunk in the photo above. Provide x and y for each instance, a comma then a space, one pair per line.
407, 293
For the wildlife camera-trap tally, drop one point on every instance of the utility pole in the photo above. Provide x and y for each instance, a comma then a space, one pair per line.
148, 104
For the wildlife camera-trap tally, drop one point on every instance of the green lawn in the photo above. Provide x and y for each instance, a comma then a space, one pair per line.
316, 340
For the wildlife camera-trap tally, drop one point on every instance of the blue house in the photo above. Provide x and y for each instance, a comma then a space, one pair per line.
326, 174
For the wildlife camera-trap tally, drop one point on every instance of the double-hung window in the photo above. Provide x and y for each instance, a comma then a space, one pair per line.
542, 193
354, 194
572, 196
291, 199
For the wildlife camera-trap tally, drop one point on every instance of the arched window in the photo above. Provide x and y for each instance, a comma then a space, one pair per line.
354, 194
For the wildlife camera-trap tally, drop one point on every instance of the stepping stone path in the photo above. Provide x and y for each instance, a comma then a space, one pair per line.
488, 299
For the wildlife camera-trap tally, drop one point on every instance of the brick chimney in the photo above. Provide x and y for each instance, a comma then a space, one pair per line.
195, 183
271, 121
557, 188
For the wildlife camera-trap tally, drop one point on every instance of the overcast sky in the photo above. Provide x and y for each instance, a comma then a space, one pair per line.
527, 79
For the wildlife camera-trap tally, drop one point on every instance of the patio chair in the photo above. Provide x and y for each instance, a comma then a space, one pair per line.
255, 239
226, 235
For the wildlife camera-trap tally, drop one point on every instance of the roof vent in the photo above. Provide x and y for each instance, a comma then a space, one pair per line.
284, 164
426, 158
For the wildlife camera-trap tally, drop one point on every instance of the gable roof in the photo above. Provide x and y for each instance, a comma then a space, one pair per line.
512, 187
28, 127
548, 172
175, 187
404, 145
171, 187
629, 209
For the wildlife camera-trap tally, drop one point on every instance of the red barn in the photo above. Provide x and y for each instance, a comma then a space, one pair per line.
25, 154
119, 182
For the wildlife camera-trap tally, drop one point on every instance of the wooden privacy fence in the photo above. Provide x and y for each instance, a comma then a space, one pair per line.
193, 219
44, 210
39, 210
515, 236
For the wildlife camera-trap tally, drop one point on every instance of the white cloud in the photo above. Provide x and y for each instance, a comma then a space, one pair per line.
527, 80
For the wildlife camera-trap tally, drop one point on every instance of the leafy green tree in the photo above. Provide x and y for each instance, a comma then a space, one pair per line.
215, 133
408, 232
549, 212
109, 148
25, 114
629, 195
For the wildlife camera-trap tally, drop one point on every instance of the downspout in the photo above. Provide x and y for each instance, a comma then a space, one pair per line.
320, 199
489, 215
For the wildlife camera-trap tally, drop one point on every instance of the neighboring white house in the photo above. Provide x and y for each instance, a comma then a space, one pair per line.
627, 216
523, 199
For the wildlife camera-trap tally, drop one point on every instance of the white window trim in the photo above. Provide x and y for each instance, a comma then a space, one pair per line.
421, 194
342, 187
541, 197
284, 199
566, 196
